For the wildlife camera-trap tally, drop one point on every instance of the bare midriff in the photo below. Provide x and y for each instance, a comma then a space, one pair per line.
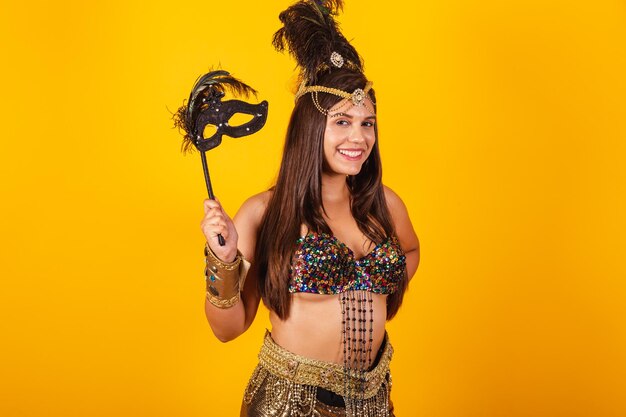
314, 326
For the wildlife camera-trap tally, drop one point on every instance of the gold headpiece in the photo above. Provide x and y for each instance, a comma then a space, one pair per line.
357, 97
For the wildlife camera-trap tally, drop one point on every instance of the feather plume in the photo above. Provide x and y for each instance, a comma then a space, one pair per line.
329, 6
311, 34
207, 87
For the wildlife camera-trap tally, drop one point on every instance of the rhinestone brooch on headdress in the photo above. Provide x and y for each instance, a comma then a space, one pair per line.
358, 96
336, 59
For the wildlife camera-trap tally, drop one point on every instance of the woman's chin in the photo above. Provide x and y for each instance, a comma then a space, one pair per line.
343, 172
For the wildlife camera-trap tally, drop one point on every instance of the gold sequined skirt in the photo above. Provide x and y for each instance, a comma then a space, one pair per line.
285, 384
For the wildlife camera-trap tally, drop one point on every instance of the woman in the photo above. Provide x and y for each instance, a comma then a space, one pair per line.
331, 249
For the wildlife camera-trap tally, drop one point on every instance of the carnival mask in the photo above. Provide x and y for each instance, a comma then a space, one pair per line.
218, 113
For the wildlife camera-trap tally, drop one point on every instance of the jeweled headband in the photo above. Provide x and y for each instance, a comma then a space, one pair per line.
357, 97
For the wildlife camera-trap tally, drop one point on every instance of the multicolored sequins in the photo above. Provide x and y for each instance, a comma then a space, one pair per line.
324, 265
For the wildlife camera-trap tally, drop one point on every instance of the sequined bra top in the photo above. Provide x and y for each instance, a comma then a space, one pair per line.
322, 264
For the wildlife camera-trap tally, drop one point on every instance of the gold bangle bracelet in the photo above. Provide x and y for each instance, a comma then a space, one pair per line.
220, 302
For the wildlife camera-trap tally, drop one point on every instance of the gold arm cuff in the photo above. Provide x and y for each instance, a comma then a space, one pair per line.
224, 280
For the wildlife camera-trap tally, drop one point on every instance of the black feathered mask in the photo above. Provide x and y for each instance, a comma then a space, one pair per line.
218, 113
205, 107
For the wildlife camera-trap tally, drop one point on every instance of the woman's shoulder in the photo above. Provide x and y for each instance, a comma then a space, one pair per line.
254, 207
402, 222
259, 200
398, 211
394, 202
248, 220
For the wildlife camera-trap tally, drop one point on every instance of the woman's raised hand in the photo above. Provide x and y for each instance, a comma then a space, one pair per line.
216, 222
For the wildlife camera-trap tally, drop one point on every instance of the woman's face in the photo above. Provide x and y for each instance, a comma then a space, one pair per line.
349, 137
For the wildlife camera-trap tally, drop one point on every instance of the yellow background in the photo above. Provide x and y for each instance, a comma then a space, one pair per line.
502, 127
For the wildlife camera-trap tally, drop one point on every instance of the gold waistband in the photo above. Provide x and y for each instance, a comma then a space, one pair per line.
330, 376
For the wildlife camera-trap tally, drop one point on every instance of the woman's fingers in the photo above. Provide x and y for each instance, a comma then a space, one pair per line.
211, 204
214, 213
217, 222
215, 225
219, 230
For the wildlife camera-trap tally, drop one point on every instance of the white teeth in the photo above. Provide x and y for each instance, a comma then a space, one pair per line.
351, 154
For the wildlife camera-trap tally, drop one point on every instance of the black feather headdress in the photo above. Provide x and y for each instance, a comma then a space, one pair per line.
311, 34
207, 88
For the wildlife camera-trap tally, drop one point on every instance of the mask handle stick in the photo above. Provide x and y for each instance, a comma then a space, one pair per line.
209, 188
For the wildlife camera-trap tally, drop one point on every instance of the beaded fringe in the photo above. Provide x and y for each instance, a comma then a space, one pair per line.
357, 313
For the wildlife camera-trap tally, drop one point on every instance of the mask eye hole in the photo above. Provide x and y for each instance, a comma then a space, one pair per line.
209, 130
239, 119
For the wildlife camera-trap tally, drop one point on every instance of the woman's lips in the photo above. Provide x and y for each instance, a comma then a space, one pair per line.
351, 154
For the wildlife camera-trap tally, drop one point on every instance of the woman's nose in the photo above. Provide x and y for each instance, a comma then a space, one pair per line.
356, 135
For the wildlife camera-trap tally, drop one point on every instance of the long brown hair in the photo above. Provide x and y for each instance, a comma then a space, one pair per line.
297, 196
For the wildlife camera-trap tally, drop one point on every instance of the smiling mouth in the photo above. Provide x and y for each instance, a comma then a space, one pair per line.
351, 154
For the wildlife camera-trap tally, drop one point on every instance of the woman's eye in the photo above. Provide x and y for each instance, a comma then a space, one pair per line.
368, 124
342, 122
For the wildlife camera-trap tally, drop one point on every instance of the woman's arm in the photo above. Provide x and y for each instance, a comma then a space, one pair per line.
404, 229
239, 233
